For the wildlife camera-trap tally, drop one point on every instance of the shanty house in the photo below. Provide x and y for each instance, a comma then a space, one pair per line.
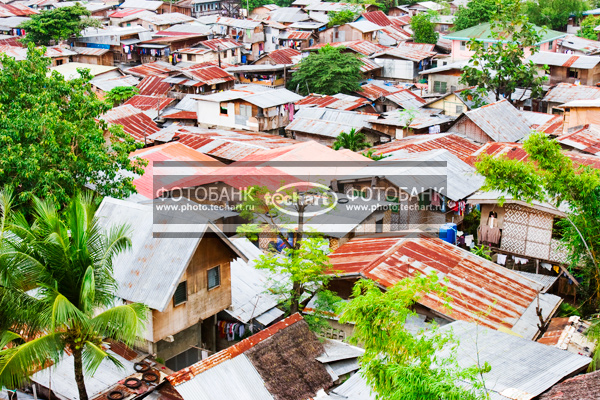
444, 78
385, 97
254, 109
200, 79
578, 113
400, 124
456, 103
495, 122
324, 125
569, 68
179, 269
568, 92
403, 62
90, 55
226, 50
120, 41
479, 290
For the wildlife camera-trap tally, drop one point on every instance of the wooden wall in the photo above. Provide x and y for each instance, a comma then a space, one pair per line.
465, 126
201, 303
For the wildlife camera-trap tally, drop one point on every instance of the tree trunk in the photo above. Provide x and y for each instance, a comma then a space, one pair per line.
295, 303
78, 361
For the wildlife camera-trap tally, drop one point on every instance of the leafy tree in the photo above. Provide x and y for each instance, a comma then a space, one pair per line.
423, 28
397, 364
587, 27
51, 143
118, 95
375, 157
500, 67
475, 13
342, 17
304, 257
554, 13
482, 251
551, 177
69, 261
330, 71
354, 141
58, 24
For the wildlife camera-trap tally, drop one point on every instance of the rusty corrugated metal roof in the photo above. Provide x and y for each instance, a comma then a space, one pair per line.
418, 46
406, 52
565, 92
125, 13
145, 103
344, 102
460, 146
221, 44
586, 139
208, 75
153, 85
285, 55
377, 17
133, 120
374, 92
406, 99
480, 290
15, 10
181, 115
363, 47
368, 65
153, 68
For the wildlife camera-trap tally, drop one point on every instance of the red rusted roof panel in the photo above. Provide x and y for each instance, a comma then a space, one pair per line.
146, 103
153, 85
377, 17
461, 147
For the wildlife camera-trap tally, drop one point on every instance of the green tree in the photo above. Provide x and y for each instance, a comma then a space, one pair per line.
475, 13
342, 17
58, 24
69, 261
500, 67
329, 71
353, 140
397, 364
118, 95
587, 27
52, 145
304, 260
554, 13
551, 177
423, 28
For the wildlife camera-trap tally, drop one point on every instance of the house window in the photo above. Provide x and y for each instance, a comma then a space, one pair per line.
444, 28
223, 109
245, 110
59, 62
550, 44
463, 45
180, 295
459, 108
214, 277
440, 87
573, 73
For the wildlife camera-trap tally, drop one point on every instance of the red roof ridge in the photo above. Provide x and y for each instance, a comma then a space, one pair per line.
190, 372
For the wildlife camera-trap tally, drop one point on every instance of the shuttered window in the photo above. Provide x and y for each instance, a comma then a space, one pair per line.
439, 87
180, 295
214, 277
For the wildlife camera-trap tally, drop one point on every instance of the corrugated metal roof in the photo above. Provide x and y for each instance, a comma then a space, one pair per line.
126, 12
16, 10
221, 44
295, 35
586, 46
111, 83
479, 290
146, 103
12, 22
418, 46
483, 32
546, 280
164, 19
237, 23
338, 102
330, 6
566, 92
153, 85
586, 139
207, 75
582, 103
501, 121
365, 26
363, 47
376, 17
285, 55
406, 52
369, 65
422, 120
373, 92
309, 25
90, 51
142, 4
262, 99
153, 68
406, 99
133, 120
564, 60
288, 15
328, 122
455, 144
181, 115
191, 374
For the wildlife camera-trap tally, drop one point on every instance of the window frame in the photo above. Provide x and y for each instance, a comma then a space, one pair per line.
175, 303
218, 269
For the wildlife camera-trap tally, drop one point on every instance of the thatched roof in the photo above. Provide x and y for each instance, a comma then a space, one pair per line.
287, 363
582, 387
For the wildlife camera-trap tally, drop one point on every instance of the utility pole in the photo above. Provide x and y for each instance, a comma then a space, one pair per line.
219, 54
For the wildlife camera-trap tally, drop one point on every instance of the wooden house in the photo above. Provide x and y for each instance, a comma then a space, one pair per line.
569, 68
182, 276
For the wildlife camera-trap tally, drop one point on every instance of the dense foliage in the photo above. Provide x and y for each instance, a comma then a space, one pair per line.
423, 29
58, 24
69, 262
587, 27
342, 17
352, 140
500, 67
475, 13
51, 143
329, 71
554, 13
118, 95
401, 365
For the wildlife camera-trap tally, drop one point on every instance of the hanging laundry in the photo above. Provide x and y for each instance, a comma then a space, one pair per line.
501, 259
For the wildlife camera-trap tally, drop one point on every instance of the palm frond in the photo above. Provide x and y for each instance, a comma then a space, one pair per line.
8, 337
94, 355
6, 200
17, 363
61, 312
88, 291
123, 323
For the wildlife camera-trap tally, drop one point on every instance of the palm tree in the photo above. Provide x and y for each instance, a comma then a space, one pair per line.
68, 263
354, 141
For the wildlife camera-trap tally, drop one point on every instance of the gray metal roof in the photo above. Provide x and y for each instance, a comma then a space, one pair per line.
461, 178
336, 350
564, 60
288, 14
235, 378
265, 98
582, 103
328, 122
307, 25
365, 26
546, 280
527, 325
501, 121
566, 92
141, 4
150, 271
111, 83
